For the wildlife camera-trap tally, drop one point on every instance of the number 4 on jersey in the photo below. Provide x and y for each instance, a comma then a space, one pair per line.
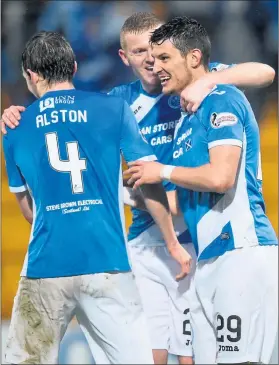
74, 165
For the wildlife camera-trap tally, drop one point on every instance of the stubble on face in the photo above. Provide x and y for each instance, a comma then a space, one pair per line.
171, 67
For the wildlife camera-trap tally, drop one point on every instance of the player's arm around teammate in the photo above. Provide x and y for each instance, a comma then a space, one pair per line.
243, 75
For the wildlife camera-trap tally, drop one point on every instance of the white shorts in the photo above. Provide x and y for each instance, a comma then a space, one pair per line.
234, 306
165, 301
107, 307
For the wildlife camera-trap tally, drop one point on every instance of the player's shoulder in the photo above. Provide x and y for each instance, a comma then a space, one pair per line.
224, 94
100, 100
126, 91
25, 117
31, 108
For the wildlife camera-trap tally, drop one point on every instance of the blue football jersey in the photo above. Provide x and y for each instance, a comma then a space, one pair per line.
157, 116
67, 152
223, 222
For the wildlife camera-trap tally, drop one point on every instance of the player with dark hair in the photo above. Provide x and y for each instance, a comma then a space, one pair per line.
65, 158
217, 170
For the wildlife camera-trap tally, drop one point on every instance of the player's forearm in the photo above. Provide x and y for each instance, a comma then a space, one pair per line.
206, 178
173, 203
156, 202
133, 199
249, 74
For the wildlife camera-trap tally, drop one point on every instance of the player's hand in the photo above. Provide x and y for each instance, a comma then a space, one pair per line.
11, 117
180, 255
143, 172
193, 95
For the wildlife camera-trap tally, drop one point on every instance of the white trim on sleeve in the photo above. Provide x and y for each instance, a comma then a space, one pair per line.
220, 142
18, 189
148, 158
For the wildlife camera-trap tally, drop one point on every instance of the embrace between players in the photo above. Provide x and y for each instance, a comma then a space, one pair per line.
199, 244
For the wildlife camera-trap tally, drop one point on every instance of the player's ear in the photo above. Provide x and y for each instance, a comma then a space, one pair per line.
196, 57
123, 57
28, 73
75, 68
33, 76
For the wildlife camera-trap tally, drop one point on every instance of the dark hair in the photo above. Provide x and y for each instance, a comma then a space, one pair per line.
49, 55
185, 34
138, 23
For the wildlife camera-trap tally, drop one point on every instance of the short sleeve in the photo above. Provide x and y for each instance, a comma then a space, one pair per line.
17, 183
224, 119
133, 145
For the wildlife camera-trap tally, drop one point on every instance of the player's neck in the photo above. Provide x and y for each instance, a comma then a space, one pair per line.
198, 73
55, 87
152, 89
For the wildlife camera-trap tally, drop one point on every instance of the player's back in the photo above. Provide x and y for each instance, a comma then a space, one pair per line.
67, 148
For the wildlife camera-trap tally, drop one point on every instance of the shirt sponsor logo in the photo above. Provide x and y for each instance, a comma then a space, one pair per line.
228, 348
46, 104
225, 236
143, 137
137, 109
184, 136
49, 103
222, 120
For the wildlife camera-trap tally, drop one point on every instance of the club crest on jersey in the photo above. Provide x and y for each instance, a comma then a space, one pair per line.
222, 120
174, 101
46, 104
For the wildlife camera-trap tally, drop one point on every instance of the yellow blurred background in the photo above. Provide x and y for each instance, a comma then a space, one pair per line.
15, 230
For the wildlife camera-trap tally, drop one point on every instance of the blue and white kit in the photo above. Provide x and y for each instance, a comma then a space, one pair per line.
67, 153
63, 152
235, 293
165, 301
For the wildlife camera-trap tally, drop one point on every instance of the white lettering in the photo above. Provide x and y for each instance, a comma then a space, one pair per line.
82, 117
72, 210
54, 116
178, 153
39, 121
184, 136
146, 130
63, 112
63, 116
45, 120
72, 116
161, 140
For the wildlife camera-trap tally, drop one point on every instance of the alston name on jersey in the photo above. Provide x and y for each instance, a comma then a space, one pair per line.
73, 116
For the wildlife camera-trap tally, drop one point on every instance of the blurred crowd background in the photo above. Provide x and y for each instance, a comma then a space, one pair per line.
240, 31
